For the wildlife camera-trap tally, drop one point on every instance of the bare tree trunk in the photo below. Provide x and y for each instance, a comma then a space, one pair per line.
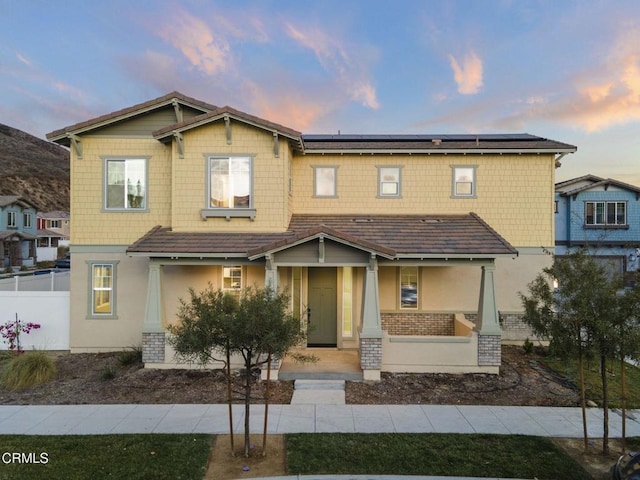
230, 400
266, 407
583, 401
623, 387
605, 404
247, 401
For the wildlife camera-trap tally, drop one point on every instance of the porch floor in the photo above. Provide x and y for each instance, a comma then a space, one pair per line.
332, 364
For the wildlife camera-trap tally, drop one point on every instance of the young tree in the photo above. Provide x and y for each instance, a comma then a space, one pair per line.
579, 317
258, 327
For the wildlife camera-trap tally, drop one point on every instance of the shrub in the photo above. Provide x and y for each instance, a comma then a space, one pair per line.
132, 356
108, 373
528, 346
28, 370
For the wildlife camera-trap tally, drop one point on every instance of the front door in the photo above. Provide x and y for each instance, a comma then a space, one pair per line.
322, 308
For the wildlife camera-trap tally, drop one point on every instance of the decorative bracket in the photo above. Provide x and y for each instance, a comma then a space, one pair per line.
180, 143
227, 124
321, 249
276, 145
178, 110
77, 145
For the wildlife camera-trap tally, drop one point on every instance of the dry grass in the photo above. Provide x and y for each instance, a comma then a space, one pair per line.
28, 370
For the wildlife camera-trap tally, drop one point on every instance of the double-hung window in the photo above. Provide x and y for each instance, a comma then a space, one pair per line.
102, 303
464, 181
232, 280
26, 220
324, 181
12, 221
389, 182
125, 184
605, 213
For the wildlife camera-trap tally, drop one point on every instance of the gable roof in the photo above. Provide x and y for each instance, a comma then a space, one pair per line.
60, 136
391, 236
222, 113
6, 200
595, 182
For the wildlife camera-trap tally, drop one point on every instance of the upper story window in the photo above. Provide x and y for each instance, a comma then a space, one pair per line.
125, 184
12, 221
389, 182
54, 223
230, 182
27, 220
324, 181
464, 181
605, 213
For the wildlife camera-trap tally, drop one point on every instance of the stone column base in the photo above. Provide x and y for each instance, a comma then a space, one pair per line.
489, 350
371, 357
153, 347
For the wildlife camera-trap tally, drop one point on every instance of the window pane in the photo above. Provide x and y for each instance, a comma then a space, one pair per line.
126, 183
102, 288
230, 182
325, 181
232, 280
464, 181
219, 182
599, 213
241, 182
621, 217
611, 213
389, 181
408, 287
115, 183
135, 171
589, 213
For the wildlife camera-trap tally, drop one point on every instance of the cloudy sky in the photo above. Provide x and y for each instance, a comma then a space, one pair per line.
566, 70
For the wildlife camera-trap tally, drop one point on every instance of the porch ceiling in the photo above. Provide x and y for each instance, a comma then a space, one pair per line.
392, 236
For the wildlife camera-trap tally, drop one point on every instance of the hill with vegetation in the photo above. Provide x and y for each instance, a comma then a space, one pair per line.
34, 169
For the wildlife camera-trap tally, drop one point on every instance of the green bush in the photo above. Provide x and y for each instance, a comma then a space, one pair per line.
28, 370
528, 346
132, 356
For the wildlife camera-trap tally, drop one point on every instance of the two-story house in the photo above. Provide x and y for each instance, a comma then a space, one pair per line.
18, 232
601, 215
54, 230
405, 248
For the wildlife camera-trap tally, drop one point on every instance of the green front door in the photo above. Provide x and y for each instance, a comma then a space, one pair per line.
322, 307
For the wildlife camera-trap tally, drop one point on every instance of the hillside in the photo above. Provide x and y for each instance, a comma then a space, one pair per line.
34, 168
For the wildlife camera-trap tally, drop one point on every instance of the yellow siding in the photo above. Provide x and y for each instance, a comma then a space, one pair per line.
89, 223
269, 179
514, 192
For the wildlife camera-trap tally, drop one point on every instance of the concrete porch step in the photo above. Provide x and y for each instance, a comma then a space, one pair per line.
328, 392
297, 375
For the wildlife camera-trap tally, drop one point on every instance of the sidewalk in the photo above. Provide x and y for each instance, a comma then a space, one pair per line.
166, 418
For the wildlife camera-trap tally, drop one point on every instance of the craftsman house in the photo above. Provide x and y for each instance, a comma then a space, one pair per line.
18, 232
601, 215
407, 249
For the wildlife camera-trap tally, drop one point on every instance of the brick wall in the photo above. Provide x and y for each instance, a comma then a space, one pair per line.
371, 353
489, 350
418, 323
514, 328
153, 347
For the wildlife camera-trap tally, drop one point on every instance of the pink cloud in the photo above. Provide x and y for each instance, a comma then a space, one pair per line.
467, 76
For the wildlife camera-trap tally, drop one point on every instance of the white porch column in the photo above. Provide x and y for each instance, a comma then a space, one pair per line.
489, 331
371, 333
270, 274
153, 334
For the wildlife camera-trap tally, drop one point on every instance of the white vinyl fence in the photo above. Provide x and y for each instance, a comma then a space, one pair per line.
41, 299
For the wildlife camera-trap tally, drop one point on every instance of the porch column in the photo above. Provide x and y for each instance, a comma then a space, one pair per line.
489, 331
371, 333
270, 274
153, 333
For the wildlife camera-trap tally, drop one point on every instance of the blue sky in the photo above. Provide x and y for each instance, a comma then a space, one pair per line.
562, 69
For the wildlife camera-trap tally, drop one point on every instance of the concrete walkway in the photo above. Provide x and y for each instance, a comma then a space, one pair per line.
113, 419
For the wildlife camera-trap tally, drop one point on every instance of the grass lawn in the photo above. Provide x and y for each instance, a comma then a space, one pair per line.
569, 369
152, 456
511, 456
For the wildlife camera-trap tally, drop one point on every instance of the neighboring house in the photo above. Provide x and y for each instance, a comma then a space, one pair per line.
406, 248
53, 231
601, 215
18, 232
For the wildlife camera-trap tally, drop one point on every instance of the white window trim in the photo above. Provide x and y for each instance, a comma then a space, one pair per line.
605, 214
227, 212
12, 219
474, 181
105, 179
91, 315
417, 307
27, 220
235, 291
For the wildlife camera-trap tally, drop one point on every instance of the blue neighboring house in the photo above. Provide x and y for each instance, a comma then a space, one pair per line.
603, 216
18, 232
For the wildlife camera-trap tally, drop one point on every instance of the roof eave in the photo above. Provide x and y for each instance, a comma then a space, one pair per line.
440, 151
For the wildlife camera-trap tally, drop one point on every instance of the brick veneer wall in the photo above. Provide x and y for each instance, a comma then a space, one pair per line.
153, 347
489, 350
371, 353
418, 323
514, 328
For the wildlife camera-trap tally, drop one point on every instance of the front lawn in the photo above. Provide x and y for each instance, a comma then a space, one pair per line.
510, 456
568, 368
